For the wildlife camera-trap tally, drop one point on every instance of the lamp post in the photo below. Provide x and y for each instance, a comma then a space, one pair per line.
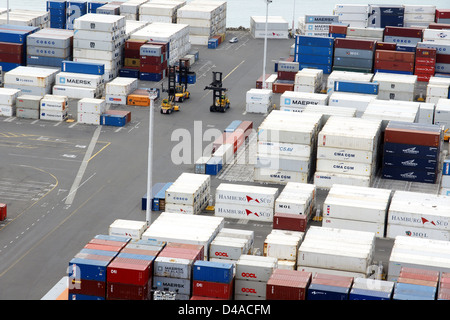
265, 45
148, 213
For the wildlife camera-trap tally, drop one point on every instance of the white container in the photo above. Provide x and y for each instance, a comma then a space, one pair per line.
282, 244
346, 75
88, 118
255, 268
277, 162
7, 111
376, 228
30, 76
78, 80
225, 152
246, 194
247, 212
351, 100
80, 53
127, 228
292, 98
228, 248
373, 284
422, 9
394, 230
244, 289
279, 176
325, 180
53, 115
262, 96
75, 92
395, 82
345, 167
248, 235
172, 267
116, 99
338, 154
257, 107
296, 198
89, 105
99, 22
351, 133
365, 32
283, 149
121, 86
8, 96
357, 203
436, 35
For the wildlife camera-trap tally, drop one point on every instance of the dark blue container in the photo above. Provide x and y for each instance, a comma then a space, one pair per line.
363, 294
75, 9
337, 35
88, 269
233, 126
393, 71
212, 271
406, 174
213, 166
311, 41
57, 25
129, 73
82, 67
57, 19
8, 66
93, 5
146, 76
409, 162
324, 292
317, 51
112, 120
56, 4
13, 36
308, 58
155, 189
75, 296
326, 68
33, 60
161, 194
213, 43
405, 48
417, 151
356, 87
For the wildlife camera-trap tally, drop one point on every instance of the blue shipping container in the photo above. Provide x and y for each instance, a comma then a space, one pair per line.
308, 58
446, 168
408, 291
213, 43
129, 73
155, 189
135, 256
75, 296
56, 4
406, 174
405, 48
113, 238
75, 9
44, 61
93, 5
314, 41
409, 162
417, 151
324, 292
212, 271
363, 294
326, 68
213, 166
112, 120
82, 67
393, 71
145, 76
317, 51
8, 66
356, 87
88, 269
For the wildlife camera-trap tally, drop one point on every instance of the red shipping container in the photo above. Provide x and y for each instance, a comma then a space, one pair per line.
443, 58
332, 280
355, 44
290, 221
337, 29
287, 285
386, 46
125, 291
394, 65
87, 287
102, 247
423, 77
134, 44
418, 273
145, 252
439, 26
405, 136
417, 281
132, 53
389, 55
443, 294
188, 246
281, 87
425, 61
425, 70
3, 209
129, 271
286, 75
409, 32
152, 60
11, 48
153, 68
246, 127
106, 242
425, 53
259, 81
11, 58
213, 289
443, 13
204, 298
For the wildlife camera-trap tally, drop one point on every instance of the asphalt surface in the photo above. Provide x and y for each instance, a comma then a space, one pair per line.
65, 182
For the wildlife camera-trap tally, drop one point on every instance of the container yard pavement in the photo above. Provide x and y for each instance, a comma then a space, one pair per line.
62, 192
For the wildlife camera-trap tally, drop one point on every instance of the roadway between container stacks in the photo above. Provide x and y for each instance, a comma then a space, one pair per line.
83, 166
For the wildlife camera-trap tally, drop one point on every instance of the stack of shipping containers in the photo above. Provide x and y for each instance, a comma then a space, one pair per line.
354, 15
354, 55
54, 107
212, 280
229, 244
75, 9
153, 61
425, 64
314, 52
89, 110
389, 61
283, 245
416, 284
13, 39
396, 86
8, 101
31, 80
419, 15
57, 13
316, 25
28, 106
79, 85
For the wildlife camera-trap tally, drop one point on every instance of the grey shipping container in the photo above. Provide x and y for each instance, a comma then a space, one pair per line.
50, 41
27, 113
28, 102
352, 62
49, 51
353, 53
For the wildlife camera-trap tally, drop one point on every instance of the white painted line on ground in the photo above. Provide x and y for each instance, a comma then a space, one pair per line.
83, 166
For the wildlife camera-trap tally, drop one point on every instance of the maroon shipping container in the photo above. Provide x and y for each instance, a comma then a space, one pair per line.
409, 32
213, 289
425, 62
11, 58
355, 44
204, 298
443, 58
386, 46
246, 128
405, 136
11, 48
394, 65
87, 287
129, 271
290, 221
196, 251
132, 53
281, 87
259, 81
152, 60
134, 44
288, 285
286, 75
153, 68
389, 55
425, 53
439, 26
443, 13
125, 291
3, 209
338, 29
